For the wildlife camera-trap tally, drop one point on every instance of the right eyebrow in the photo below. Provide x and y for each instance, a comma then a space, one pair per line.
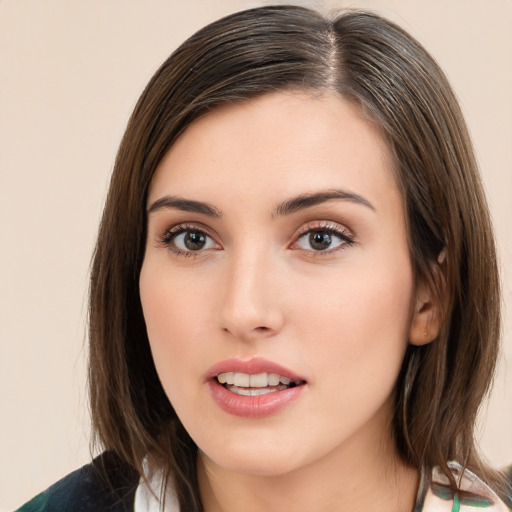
186, 205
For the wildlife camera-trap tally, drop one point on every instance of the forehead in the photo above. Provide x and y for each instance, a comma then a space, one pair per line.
278, 144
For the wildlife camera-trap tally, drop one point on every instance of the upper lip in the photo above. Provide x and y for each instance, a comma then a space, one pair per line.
251, 366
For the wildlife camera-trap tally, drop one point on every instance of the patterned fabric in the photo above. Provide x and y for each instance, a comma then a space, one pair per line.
86, 490
434, 494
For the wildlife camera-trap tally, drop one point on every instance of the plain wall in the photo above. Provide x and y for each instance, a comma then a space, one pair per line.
70, 73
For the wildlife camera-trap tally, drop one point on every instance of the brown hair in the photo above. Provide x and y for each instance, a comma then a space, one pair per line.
399, 86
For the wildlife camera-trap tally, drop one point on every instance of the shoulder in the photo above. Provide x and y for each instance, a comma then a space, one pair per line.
106, 484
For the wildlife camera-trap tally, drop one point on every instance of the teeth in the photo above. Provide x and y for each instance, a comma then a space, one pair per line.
273, 379
242, 380
251, 391
226, 378
259, 380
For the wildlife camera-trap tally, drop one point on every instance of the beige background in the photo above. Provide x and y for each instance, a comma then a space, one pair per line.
70, 73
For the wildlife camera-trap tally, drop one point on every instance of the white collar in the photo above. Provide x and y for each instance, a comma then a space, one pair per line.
433, 495
149, 498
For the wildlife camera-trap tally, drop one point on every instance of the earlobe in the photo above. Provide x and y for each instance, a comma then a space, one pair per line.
430, 303
426, 318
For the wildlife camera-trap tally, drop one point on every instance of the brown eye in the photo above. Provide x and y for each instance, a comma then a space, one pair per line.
320, 240
194, 240
189, 240
324, 240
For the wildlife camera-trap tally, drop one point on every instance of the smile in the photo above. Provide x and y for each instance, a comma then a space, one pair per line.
254, 388
256, 384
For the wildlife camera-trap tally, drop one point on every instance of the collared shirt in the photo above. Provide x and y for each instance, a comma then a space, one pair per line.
87, 490
434, 494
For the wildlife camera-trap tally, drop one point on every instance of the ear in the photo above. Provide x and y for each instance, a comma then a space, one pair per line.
427, 313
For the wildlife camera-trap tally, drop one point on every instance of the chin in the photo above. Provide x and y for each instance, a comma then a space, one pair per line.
257, 459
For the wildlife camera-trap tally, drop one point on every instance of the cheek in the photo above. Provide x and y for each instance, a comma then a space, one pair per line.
171, 312
355, 341
361, 317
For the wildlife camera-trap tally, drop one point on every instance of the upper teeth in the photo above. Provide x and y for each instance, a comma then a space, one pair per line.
260, 380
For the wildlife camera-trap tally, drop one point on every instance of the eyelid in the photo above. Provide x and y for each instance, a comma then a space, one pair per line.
333, 227
328, 225
168, 232
166, 238
347, 235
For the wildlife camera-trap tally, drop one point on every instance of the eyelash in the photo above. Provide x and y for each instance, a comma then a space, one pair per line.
346, 237
168, 238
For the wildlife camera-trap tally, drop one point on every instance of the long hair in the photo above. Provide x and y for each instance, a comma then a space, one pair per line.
396, 84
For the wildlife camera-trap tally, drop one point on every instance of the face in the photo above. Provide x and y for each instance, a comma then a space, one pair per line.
277, 288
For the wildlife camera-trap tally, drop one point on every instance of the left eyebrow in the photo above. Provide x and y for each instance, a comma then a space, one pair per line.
304, 201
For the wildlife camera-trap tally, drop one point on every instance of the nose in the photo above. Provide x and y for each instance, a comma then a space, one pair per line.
251, 305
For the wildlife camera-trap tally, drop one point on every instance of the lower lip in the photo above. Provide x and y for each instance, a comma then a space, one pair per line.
253, 406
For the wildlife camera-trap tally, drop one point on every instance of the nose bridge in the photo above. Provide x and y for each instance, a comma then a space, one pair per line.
251, 302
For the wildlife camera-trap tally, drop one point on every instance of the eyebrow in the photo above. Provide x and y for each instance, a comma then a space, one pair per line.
304, 201
186, 205
288, 207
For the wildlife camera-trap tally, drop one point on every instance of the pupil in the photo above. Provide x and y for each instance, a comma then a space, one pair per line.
320, 240
194, 240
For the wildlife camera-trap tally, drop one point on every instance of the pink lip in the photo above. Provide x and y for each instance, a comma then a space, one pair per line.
252, 406
252, 367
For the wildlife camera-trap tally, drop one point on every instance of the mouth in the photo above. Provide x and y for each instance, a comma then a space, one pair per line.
254, 388
255, 384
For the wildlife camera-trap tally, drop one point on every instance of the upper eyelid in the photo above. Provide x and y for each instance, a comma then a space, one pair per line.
334, 227
326, 224
188, 226
165, 236
166, 239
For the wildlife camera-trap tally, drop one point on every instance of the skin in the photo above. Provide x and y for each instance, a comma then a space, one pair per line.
341, 318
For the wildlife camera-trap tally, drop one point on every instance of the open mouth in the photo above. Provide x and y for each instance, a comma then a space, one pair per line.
254, 388
255, 384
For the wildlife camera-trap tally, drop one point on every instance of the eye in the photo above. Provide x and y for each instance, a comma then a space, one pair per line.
184, 240
323, 239
319, 240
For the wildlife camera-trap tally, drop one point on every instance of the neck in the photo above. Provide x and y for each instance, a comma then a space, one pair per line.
352, 478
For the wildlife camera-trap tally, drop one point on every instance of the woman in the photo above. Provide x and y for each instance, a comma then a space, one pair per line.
294, 296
